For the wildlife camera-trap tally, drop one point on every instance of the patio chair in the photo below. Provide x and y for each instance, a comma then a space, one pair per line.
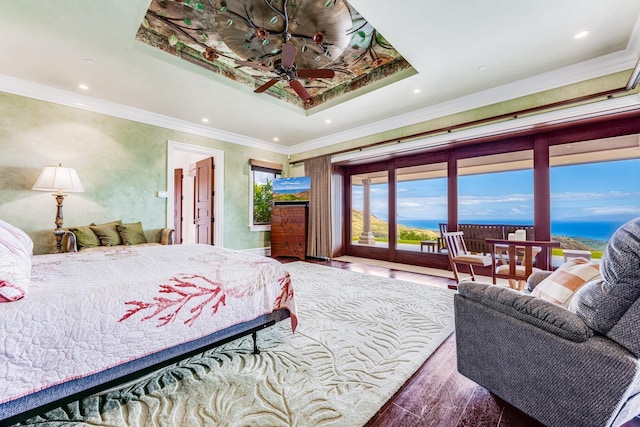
440, 241
459, 255
516, 259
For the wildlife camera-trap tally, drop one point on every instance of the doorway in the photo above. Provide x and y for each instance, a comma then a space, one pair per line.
183, 156
204, 201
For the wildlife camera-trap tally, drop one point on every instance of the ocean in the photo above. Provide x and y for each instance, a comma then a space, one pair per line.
596, 230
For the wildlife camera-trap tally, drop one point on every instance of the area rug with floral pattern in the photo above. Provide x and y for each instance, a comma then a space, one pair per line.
359, 339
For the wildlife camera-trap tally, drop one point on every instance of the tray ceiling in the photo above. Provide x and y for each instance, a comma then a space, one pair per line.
329, 34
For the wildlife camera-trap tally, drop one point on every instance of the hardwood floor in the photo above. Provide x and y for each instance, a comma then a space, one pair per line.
437, 395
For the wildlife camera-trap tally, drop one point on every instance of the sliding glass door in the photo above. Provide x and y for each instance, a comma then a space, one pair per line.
595, 188
421, 205
576, 192
370, 210
496, 189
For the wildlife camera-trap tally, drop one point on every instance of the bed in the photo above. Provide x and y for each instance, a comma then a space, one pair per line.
95, 319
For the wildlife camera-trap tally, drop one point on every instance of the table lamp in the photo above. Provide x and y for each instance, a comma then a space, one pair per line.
58, 179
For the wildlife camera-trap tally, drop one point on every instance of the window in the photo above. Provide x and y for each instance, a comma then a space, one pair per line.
261, 193
595, 188
370, 209
496, 189
421, 204
585, 190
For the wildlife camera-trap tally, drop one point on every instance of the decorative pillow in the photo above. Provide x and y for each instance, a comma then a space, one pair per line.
107, 233
562, 284
131, 234
85, 237
117, 221
16, 239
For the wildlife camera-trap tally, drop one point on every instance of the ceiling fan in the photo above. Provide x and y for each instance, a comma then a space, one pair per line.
287, 71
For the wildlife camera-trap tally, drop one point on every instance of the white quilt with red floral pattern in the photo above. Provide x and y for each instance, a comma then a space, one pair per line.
86, 312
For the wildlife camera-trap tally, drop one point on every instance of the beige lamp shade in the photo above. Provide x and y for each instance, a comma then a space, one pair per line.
58, 179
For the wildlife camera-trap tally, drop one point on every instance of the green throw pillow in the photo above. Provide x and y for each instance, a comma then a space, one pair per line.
108, 234
117, 221
131, 234
85, 237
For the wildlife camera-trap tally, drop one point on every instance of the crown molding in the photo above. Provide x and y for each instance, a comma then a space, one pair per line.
608, 64
74, 100
605, 65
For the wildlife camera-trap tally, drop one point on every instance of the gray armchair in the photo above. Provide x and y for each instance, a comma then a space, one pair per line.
576, 367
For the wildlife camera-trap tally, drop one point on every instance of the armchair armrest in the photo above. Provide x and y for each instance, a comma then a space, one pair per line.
527, 308
166, 236
71, 244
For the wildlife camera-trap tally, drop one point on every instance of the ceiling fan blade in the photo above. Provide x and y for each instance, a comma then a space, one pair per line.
267, 85
301, 91
318, 73
288, 55
254, 65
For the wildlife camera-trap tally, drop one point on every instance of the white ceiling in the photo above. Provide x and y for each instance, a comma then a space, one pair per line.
467, 53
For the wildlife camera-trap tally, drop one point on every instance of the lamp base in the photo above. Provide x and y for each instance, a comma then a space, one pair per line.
58, 233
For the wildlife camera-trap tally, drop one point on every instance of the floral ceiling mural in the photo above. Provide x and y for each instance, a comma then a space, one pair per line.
270, 45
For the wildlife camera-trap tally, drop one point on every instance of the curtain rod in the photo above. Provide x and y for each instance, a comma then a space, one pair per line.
631, 84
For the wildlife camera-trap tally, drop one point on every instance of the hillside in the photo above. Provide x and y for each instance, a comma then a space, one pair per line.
581, 243
380, 229
284, 197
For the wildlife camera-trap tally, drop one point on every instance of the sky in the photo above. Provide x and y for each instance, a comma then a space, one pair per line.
607, 191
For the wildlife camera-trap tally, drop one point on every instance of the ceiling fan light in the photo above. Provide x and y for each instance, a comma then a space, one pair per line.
210, 54
318, 38
262, 33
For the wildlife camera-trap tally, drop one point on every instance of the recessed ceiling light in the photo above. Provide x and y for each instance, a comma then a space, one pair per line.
276, 139
205, 120
83, 86
581, 34
327, 121
417, 90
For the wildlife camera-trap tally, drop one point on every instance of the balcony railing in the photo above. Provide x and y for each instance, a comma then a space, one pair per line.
475, 235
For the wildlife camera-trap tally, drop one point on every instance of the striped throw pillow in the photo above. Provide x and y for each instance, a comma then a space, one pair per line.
15, 239
562, 284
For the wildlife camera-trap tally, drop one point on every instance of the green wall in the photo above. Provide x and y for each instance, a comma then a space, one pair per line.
121, 164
